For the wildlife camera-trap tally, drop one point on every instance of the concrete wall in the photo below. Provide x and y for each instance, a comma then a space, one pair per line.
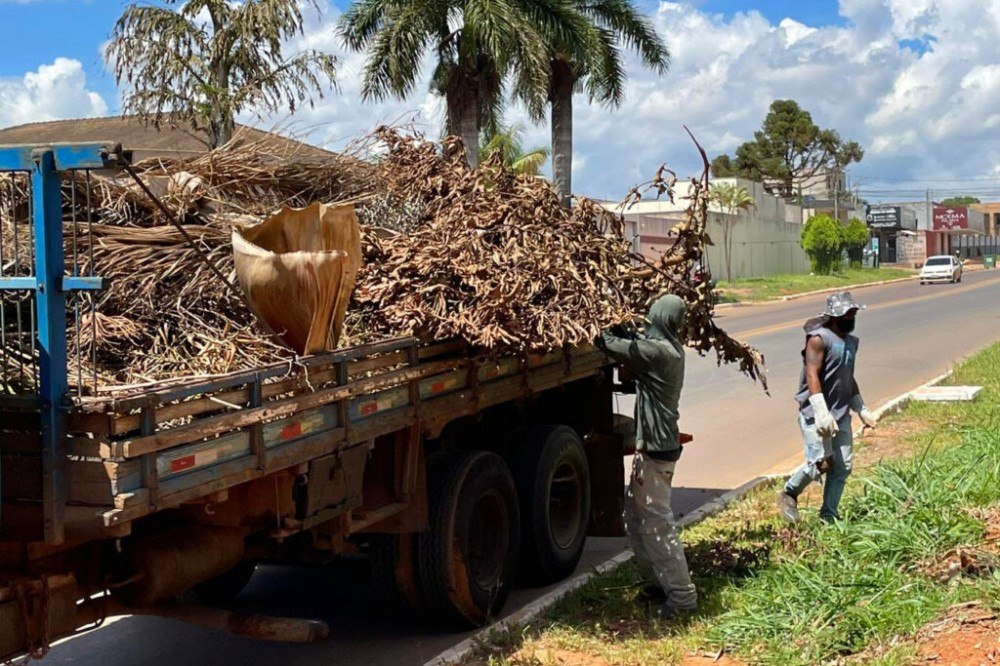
761, 247
911, 249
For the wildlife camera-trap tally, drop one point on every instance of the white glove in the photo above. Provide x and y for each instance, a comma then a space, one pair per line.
867, 416
826, 425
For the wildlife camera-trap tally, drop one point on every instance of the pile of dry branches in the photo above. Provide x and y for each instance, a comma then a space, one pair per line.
482, 254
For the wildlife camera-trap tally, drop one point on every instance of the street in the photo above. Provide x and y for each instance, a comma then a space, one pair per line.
909, 334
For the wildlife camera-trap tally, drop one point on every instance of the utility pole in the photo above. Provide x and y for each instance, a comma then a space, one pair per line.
929, 212
836, 195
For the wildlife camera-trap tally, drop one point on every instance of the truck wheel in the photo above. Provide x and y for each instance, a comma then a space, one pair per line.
553, 487
394, 574
469, 556
224, 589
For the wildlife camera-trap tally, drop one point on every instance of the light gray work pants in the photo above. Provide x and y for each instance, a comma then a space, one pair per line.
652, 532
839, 449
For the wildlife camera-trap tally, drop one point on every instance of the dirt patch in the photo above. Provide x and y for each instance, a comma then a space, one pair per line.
991, 519
969, 636
963, 562
891, 440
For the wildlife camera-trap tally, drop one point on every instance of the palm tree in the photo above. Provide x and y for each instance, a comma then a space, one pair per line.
476, 43
733, 200
591, 61
178, 67
509, 142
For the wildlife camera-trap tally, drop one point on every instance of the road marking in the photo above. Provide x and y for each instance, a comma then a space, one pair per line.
774, 328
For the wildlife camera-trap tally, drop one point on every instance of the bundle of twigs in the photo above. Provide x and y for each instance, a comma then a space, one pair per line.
499, 262
481, 254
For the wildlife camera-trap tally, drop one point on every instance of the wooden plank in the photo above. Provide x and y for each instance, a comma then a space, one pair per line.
97, 483
97, 424
360, 519
218, 424
199, 480
304, 450
86, 447
384, 425
297, 426
375, 404
138, 497
186, 390
210, 453
362, 366
436, 349
445, 383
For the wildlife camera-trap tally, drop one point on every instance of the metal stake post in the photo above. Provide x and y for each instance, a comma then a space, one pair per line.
51, 303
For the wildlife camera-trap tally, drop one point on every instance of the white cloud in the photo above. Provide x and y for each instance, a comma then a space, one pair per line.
925, 108
54, 91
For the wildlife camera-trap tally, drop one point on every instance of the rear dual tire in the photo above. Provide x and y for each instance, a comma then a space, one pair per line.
553, 485
467, 559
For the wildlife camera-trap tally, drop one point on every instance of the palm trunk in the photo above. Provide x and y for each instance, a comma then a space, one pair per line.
468, 124
563, 82
463, 121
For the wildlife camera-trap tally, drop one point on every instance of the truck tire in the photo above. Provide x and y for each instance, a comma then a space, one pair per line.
468, 557
394, 574
224, 589
553, 486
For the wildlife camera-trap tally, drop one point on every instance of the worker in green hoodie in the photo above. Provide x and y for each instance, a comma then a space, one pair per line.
656, 360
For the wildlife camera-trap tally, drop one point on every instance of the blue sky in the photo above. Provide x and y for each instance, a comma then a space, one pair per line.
915, 81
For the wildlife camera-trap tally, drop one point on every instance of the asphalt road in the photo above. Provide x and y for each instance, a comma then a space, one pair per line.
909, 334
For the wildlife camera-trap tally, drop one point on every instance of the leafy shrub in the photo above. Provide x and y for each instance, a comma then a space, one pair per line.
856, 237
823, 240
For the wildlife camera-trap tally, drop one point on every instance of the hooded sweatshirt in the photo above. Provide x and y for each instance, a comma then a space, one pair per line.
657, 361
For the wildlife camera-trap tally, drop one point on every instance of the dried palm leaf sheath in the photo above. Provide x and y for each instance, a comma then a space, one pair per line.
482, 254
297, 269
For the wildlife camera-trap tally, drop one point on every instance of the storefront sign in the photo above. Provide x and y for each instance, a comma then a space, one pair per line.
884, 217
950, 217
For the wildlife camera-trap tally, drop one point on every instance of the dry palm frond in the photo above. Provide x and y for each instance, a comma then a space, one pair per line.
484, 255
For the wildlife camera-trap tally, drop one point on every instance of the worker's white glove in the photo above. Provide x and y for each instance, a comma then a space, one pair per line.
867, 416
826, 425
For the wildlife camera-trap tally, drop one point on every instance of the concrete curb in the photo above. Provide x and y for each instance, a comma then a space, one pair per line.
854, 287
706, 510
829, 290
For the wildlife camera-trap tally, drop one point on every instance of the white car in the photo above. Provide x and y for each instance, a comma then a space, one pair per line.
941, 267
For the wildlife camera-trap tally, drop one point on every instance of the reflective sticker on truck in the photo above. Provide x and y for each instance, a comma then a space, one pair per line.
299, 425
185, 459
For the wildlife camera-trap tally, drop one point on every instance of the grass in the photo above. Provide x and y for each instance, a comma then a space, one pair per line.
751, 290
817, 593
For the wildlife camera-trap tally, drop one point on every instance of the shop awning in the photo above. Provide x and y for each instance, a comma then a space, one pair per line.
958, 232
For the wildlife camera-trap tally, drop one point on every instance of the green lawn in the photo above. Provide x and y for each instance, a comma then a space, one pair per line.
817, 593
752, 290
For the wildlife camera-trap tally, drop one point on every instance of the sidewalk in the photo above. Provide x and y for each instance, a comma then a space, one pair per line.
967, 267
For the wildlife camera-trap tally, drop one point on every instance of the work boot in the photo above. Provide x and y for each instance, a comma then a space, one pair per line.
669, 612
652, 592
789, 506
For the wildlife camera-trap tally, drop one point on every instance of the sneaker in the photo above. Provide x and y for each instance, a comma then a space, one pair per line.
789, 507
668, 612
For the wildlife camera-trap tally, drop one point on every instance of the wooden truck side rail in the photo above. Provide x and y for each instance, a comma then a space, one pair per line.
165, 447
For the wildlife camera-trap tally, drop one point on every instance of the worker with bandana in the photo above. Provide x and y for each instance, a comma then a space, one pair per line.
827, 393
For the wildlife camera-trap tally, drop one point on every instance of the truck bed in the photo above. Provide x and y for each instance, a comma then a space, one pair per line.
167, 445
